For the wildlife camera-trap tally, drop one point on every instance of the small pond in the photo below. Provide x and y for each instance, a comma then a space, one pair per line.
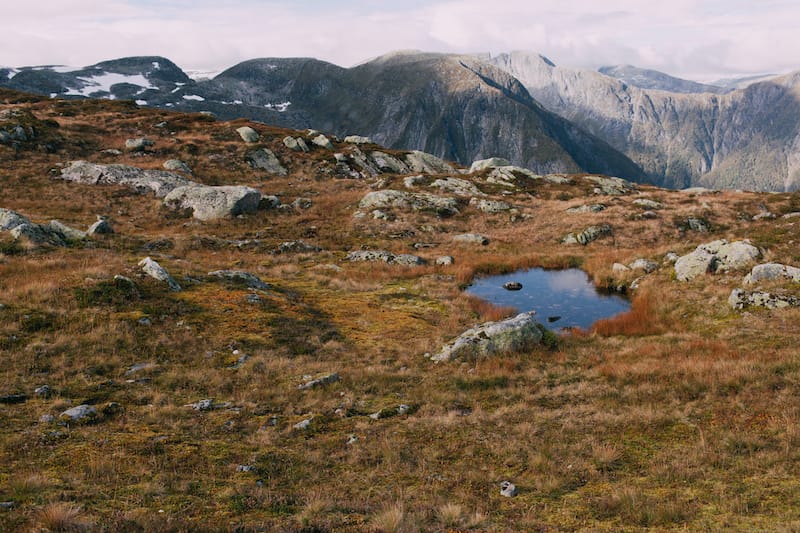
561, 298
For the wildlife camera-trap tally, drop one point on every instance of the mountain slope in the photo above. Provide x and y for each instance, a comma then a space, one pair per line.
653, 79
745, 139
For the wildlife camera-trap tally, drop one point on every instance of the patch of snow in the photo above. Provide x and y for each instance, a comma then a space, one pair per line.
170, 105
237, 102
103, 83
193, 97
141, 102
156, 65
280, 108
53, 95
63, 69
199, 75
12, 72
176, 89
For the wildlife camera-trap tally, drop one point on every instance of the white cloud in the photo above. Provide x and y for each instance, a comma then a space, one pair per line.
687, 37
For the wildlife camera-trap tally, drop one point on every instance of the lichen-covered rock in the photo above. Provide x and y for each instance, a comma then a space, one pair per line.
458, 186
644, 264
511, 335
716, 256
772, 271
386, 257
611, 186
492, 162
210, 203
38, 234
427, 163
322, 380
248, 134
489, 206
159, 182
241, 278
322, 141
266, 160
387, 163
156, 271
472, 238
740, 299
357, 139
11, 219
138, 145
79, 413
445, 260
101, 227
392, 199
176, 165
296, 144
591, 208
648, 203
298, 247
590, 234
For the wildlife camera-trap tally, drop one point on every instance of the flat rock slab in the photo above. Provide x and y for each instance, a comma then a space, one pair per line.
423, 202
159, 182
210, 203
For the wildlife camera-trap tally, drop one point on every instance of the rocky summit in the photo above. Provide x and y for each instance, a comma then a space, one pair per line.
244, 325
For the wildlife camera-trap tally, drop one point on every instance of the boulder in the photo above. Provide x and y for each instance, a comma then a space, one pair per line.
11, 219
38, 234
241, 278
508, 489
591, 208
472, 238
322, 380
248, 134
696, 224
772, 271
511, 335
457, 186
159, 182
611, 186
590, 234
210, 203
295, 144
445, 260
387, 163
176, 165
427, 163
322, 141
508, 175
389, 199
492, 162
266, 160
648, 204
357, 139
512, 286
386, 257
70, 234
489, 206
299, 246
138, 145
644, 264
79, 413
740, 299
101, 227
302, 203
716, 256
156, 271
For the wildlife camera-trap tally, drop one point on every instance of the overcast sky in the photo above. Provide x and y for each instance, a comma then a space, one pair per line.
696, 39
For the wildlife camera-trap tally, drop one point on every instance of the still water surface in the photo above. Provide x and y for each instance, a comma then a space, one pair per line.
561, 298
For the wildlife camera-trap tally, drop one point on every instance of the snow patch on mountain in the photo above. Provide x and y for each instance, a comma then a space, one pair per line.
193, 97
103, 83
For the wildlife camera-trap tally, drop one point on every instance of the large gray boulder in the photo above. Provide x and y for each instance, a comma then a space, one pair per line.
716, 256
210, 203
385, 257
11, 219
387, 163
772, 271
590, 234
159, 182
492, 162
138, 145
296, 144
489, 206
248, 134
176, 165
79, 413
38, 234
357, 139
266, 160
392, 199
611, 186
70, 234
457, 186
156, 271
322, 141
427, 163
511, 335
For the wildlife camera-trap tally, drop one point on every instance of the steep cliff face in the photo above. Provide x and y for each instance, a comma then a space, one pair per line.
744, 139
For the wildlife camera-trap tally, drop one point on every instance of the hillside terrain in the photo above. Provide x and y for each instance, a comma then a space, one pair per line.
211, 325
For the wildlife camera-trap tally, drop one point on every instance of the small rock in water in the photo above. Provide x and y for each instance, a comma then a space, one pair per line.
512, 286
508, 489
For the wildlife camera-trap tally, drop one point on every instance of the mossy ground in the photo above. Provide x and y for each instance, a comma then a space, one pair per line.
682, 414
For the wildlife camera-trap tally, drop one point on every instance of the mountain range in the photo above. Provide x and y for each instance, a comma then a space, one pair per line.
633, 123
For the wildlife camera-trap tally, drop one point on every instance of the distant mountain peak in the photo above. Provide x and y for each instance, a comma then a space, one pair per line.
653, 79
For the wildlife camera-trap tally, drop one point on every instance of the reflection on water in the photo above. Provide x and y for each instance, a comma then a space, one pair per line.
567, 294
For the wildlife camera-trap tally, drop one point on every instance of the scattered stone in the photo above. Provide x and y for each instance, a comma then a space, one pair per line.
696, 224
648, 204
10, 219
159, 182
297, 247
140, 144
591, 208
154, 270
47, 419
304, 424
648, 215
457, 186
377, 214
590, 234
176, 165
210, 203
387, 163
322, 141
400, 410
644, 264
70, 234
794, 214
139, 367
144, 321
698, 191
38, 234
112, 409
101, 227
716, 256
512, 286
208, 404
671, 257
492, 162
357, 139
509, 174
445, 260
386, 257
323, 380
472, 238
427, 163
351, 439
11, 399
302, 203
765, 215
508, 489
241, 278
489, 206
611, 186
413, 181
79, 413
295, 144
739, 299
248, 134
269, 202
510, 335
772, 271
43, 392
246, 468
619, 268
423, 202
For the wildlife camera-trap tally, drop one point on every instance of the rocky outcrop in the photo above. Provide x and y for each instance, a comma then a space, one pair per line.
611, 186
266, 160
457, 186
716, 256
156, 271
492, 338
471, 238
771, 272
489, 206
159, 182
392, 199
209, 203
590, 234
427, 163
55, 233
248, 134
385, 257
741, 299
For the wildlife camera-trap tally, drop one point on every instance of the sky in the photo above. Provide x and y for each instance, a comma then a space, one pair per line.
696, 39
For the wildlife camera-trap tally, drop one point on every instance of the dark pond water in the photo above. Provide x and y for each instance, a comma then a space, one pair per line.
561, 298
